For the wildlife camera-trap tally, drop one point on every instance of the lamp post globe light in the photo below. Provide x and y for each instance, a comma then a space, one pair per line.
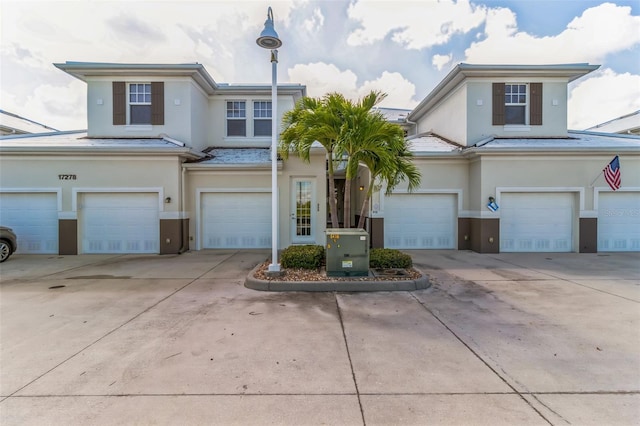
269, 40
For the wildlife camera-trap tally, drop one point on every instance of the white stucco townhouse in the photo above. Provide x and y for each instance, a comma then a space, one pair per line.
173, 161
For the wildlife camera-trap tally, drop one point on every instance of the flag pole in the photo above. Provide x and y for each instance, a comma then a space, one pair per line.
594, 181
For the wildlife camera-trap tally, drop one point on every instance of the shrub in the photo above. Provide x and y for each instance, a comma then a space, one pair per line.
389, 258
305, 257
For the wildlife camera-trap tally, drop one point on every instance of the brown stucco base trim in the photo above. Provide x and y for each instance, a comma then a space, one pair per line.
588, 235
68, 236
464, 233
174, 236
376, 232
485, 235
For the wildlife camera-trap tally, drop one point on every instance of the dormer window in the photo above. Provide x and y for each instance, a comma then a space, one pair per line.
138, 103
517, 104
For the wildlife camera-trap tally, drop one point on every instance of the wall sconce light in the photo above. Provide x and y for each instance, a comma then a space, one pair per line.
361, 187
167, 200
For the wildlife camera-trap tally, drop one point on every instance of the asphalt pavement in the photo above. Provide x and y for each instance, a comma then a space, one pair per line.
498, 339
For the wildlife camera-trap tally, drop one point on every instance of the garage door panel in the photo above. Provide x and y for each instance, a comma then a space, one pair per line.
120, 223
34, 219
619, 221
537, 222
236, 220
420, 221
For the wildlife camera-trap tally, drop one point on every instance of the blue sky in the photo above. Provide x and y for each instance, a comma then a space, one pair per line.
403, 48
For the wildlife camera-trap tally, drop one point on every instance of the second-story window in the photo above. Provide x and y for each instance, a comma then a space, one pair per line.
236, 118
515, 102
262, 118
140, 103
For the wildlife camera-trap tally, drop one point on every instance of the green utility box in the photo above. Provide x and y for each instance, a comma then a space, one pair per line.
347, 252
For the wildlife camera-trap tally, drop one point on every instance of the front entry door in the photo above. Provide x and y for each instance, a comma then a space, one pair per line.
303, 211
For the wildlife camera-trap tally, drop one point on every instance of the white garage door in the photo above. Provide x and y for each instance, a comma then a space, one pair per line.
537, 222
119, 223
619, 221
420, 221
34, 219
236, 220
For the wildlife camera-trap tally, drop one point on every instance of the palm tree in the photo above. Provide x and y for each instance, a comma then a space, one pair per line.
391, 172
352, 132
369, 139
312, 120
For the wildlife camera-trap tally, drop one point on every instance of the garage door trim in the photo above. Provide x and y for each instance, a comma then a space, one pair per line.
57, 191
147, 190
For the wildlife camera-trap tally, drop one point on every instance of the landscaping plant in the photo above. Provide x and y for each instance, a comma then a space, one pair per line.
302, 257
382, 258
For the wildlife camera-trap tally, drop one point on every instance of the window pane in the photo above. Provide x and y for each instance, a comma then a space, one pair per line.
236, 128
140, 114
262, 127
262, 109
514, 114
236, 109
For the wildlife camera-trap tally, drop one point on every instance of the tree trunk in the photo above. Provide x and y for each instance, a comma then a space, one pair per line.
333, 206
363, 211
347, 203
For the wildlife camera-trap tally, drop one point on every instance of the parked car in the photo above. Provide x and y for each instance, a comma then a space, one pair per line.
8, 243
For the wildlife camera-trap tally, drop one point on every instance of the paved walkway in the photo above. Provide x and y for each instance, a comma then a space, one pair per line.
508, 339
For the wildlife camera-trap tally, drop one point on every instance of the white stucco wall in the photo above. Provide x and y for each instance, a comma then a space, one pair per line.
217, 123
248, 180
177, 109
199, 117
479, 105
448, 118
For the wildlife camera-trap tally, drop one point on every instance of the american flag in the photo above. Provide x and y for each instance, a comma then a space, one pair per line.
612, 173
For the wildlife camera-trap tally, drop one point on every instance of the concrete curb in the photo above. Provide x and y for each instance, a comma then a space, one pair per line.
346, 286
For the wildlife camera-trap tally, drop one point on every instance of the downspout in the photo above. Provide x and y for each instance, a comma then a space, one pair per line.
183, 248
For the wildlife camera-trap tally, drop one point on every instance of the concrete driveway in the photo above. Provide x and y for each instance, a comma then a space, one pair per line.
506, 339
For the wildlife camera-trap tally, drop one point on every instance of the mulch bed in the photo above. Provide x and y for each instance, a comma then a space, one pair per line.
320, 275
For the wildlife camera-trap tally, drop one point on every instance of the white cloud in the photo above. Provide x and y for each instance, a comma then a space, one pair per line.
599, 31
315, 22
321, 78
605, 96
440, 61
400, 91
414, 25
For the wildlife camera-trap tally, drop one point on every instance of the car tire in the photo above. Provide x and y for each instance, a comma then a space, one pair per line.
5, 250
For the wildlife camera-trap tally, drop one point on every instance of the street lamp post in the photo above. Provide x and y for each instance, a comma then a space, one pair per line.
269, 40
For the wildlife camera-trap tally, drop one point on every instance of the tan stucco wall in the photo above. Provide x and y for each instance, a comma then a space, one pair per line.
556, 172
116, 173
